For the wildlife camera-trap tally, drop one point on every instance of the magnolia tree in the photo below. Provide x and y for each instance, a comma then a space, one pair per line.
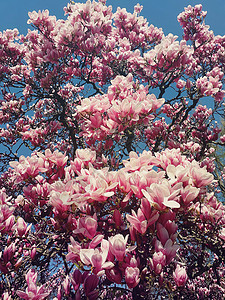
108, 132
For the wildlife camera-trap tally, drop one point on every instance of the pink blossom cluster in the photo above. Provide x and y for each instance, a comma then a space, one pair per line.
83, 184
135, 28
192, 18
211, 85
123, 107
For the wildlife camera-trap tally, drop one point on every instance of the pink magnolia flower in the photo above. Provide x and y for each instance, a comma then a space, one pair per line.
141, 179
114, 274
96, 241
21, 226
86, 156
136, 162
200, 176
138, 221
177, 173
33, 251
73, 251
98, 186
7, 219
122, 177
97, 257
171, 228
170, 157
87, 226
180, 276
151, 215
33, 291
157, 262
28, 167
117, 246
132, 276
169, 249
189, 193
161, 195
9, 252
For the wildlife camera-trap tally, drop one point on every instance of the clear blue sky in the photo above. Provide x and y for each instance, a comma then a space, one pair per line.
161, 13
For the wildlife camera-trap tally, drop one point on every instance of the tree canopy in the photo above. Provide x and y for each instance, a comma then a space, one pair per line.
112, 177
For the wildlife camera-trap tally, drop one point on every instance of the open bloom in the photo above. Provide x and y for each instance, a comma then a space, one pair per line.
200, 176
97, 257
162, 195
33, 291
144, 217
87, 226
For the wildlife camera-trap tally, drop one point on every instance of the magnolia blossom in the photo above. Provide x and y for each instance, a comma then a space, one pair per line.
157, 262
161, 195
200, 176
21, 226
139, 221
117, 246
73, 251
97, 257
33, 291
87, 226
132, 276
180, 276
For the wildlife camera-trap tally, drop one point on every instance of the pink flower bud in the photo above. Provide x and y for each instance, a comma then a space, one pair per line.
117, 245
59, 293
114, 275
132, 276
18, 263
117, 218
162, 233
188, 84
76, 279
133, 262
21, 226
90, 284
33, 251
180, 276
66, 285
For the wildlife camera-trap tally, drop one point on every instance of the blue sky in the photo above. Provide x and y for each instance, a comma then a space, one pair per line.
161, 13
